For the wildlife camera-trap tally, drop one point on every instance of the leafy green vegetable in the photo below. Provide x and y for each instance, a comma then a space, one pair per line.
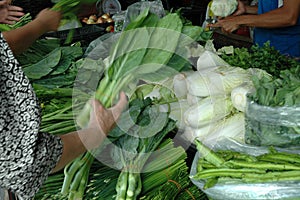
264, 57
45, 66
133, 148
272, 115
37, 51
137, 53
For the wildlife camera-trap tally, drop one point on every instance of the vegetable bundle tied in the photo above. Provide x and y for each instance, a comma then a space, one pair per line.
225, 166
136, 143
138, 52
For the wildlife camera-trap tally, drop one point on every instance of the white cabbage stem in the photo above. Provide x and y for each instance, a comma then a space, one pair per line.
208, 110
209, 59
239, 95
192, 99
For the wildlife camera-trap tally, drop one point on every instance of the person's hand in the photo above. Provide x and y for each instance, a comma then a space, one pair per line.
227, 25
104, 119
14, 14
9, 14
3, 10
49, 19
241, 9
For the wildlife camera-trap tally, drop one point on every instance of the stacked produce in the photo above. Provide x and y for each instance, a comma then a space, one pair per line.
76, 182
208, 103
272, 116
260, 169
218, 98
164, 168
94, 19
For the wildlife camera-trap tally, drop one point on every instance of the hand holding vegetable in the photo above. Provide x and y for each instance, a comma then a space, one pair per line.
103, 120
228, 24
9, 14
46, 20
50, 19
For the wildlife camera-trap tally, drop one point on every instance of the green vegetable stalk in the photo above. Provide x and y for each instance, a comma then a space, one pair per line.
134, 148
127, 63
227, 166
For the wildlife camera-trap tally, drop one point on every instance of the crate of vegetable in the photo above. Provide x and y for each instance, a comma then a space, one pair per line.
235, 171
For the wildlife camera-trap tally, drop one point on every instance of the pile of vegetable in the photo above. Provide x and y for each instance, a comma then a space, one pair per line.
156, 169
59, 67
208, 102
94, 19
129, 61
263, 57
240, 175
137, 55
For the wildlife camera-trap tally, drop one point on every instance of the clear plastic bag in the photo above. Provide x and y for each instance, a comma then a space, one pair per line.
277, 126
236, 190
100, 47
137, 8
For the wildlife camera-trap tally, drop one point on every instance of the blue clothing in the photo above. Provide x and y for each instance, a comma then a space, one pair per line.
286, 40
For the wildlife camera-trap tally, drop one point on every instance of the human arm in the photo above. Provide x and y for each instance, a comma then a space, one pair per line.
287, 15
21, 38
101, 122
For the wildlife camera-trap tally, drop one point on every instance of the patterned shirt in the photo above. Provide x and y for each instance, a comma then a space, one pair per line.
27, 156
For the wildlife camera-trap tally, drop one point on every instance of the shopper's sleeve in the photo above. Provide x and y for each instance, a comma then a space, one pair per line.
27, 156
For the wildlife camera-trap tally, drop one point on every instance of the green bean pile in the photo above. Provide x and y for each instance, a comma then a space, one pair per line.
225, 165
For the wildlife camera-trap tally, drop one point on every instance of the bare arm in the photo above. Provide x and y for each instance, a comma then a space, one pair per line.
101, 122
22, 38
251, 9
285, 16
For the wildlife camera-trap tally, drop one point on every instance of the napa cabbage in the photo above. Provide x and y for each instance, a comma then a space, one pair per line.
223, 8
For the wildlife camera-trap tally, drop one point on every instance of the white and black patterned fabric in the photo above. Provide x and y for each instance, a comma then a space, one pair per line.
26, 155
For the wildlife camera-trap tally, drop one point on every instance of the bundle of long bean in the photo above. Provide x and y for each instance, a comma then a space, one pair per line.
224, 166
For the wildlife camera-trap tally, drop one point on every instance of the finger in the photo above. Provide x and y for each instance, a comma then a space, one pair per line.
9, 22
13, 19
96, 105
122, 103
216, 25
16, 13
3, 3
15, 8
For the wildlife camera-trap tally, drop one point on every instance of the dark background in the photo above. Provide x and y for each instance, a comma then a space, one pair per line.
193, 10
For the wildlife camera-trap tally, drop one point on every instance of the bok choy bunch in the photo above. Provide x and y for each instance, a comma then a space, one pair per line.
141, 52
136, 143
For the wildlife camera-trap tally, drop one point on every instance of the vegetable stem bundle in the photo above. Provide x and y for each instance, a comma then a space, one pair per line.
128, 61
226, 166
